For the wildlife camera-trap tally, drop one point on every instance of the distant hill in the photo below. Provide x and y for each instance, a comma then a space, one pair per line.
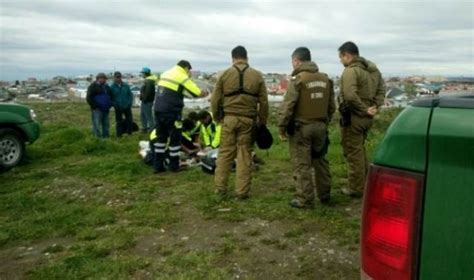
461, 79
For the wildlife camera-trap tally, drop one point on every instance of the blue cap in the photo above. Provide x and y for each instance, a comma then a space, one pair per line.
146, 70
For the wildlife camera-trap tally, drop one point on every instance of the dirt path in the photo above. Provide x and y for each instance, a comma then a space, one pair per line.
15, 262
254, 248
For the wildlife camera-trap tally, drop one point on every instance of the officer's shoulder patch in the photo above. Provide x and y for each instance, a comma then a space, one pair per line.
296, 78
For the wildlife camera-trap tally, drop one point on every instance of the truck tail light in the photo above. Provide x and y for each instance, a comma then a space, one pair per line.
391, 224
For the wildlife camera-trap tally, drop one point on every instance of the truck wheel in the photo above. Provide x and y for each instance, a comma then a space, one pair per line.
12, 147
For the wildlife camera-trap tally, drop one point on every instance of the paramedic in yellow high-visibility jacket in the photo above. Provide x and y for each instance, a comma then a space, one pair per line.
210, 131
173, 86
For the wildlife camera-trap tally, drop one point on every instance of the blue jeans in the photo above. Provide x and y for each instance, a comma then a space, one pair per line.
146, 116
100, 123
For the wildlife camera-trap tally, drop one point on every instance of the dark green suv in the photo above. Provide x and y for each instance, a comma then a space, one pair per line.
418, 216
17, 127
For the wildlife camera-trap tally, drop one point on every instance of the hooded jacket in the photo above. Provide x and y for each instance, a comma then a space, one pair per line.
362, 86
379, 83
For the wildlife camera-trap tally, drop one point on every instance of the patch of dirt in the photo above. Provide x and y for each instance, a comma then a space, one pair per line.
70, 188
254, 248
15, 262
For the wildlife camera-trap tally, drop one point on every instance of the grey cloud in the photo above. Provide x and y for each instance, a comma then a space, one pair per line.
42, 38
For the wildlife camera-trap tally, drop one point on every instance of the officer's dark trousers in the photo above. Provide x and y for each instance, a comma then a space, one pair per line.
353, 146
308, 138
166, 129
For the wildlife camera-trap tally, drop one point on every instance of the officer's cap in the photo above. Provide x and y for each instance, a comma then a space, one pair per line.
264, 137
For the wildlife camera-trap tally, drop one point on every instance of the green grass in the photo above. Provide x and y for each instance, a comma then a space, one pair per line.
93, 209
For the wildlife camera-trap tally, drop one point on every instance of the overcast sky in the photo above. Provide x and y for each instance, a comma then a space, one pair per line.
47, 38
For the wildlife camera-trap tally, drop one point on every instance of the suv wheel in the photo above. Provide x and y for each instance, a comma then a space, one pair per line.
12, 147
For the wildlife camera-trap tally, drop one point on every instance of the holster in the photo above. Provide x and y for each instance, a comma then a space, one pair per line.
292, 127
220, 116
345, 115
323, 151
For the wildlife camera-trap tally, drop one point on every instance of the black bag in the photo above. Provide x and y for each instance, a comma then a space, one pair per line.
123, 126
264, 137
135, 127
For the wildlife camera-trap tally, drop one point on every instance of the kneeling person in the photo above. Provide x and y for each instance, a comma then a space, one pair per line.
188, 145
210, 131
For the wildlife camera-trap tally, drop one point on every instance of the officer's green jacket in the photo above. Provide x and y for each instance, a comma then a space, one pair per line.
211, 135
287, 111
252, 104
362, 86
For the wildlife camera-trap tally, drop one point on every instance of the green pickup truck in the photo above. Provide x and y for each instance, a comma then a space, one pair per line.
17, 127
418, 215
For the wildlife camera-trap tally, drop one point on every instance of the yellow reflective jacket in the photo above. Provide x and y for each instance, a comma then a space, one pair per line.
154, 135
196, 129
173, 85
211, 135
176, 77
187, 135
153, 77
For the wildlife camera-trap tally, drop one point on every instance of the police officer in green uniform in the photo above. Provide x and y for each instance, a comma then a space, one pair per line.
238, 103
362, 93
304, 116
173, 85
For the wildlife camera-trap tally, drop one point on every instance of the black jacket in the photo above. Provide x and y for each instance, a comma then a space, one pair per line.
147, 92
93, 91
